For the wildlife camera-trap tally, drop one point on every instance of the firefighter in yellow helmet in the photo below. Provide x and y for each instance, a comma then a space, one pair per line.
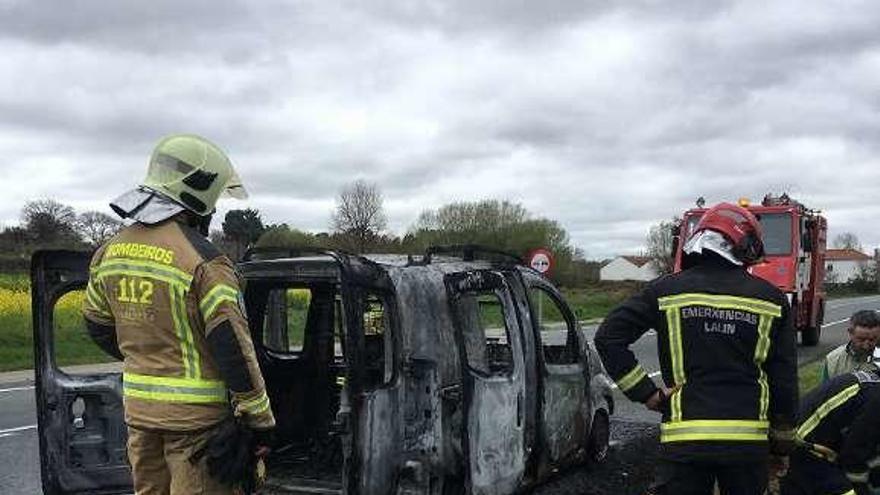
167, 302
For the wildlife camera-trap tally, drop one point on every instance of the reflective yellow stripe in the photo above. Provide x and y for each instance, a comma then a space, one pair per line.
188, 352
255, 406
676, 356
173, 389
631, 379
761, 350
714, 430
97, 301
164, 273
759, 306
825, 409
215, 297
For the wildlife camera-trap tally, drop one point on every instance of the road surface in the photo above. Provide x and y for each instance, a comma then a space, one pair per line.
19, 451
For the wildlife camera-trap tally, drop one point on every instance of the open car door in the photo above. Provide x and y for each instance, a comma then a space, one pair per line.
488, 335
79, 417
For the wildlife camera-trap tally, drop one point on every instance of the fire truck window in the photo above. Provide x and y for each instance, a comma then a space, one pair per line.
485, 332
557, 334
378, 344
777, 233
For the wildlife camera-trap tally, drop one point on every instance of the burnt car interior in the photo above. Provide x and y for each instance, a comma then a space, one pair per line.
300, 330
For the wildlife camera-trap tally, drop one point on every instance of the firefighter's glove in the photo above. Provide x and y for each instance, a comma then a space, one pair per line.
658, 401
777, 468
782, 441
234, 456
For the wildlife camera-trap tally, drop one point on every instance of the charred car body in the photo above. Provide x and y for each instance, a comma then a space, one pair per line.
386, 375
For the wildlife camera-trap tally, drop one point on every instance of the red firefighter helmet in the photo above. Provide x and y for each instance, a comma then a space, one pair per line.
739, 226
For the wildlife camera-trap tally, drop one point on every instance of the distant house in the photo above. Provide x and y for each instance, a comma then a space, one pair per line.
843, 265
628, 268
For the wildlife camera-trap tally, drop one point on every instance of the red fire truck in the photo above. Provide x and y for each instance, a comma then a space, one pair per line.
794, 241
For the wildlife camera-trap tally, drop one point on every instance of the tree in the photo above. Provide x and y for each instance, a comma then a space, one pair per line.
48, 221
502, 225
242, 228
283, 236
661, 245
847, 240
359, 213
96, 227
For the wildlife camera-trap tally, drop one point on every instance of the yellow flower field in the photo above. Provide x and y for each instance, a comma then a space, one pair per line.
72, 344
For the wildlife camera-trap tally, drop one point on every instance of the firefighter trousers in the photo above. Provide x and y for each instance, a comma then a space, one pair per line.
699, 478
809, 475
160, 464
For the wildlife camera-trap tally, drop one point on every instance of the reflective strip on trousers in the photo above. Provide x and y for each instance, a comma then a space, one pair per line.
714, 430
826, 408
173, 389
631, 379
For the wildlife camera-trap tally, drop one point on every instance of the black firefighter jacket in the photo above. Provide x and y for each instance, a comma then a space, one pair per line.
727, 350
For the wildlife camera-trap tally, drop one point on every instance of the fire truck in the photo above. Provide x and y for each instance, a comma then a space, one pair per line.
794, 243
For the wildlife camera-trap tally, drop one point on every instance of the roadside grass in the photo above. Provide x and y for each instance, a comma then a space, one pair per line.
809, 376
72, 343
596, 301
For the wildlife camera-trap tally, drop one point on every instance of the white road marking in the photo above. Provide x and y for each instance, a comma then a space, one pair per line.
16, 389
13, 431
835, 322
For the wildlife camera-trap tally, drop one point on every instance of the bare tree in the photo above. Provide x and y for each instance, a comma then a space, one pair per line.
661, 245
359, 213
847, 240
96, 227
48, 221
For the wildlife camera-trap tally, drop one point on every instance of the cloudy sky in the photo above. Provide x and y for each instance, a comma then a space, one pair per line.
607, 116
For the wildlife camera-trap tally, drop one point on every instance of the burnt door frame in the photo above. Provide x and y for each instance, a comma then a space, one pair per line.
81, 452
565, 401
493, 435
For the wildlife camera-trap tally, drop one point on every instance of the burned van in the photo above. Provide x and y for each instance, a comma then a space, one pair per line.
387, 374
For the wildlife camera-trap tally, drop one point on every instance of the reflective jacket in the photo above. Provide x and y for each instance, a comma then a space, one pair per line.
167, 301
727, 350
839, 422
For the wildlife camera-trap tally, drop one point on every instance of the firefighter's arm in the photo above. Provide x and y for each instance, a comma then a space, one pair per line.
860, 447
623, 326
100, 323
781, 369
229, 341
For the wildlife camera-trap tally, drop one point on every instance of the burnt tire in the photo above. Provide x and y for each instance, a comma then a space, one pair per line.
600, 433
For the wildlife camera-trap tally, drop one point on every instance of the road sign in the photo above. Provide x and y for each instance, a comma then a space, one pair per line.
541, 260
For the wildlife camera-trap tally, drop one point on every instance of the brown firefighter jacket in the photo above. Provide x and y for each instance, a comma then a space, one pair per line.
165, 300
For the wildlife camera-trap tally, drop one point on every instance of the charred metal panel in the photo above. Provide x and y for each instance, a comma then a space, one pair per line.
564, 421
495, 438
378, 440
79, 417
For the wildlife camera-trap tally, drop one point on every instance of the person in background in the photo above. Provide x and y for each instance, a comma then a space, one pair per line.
857, 354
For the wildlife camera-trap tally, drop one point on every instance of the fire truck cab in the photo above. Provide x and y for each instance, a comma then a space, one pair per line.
794, 243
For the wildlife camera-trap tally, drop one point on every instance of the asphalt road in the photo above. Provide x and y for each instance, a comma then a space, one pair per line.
19, 451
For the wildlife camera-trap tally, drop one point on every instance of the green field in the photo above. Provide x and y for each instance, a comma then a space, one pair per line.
72, 344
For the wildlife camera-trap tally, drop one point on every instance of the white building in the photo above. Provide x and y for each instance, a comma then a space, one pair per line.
843, 265
628, 268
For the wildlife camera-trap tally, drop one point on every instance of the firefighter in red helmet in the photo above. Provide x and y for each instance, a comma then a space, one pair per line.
727, 356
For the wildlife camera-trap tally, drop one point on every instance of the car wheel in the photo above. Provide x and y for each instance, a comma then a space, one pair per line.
600, 432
